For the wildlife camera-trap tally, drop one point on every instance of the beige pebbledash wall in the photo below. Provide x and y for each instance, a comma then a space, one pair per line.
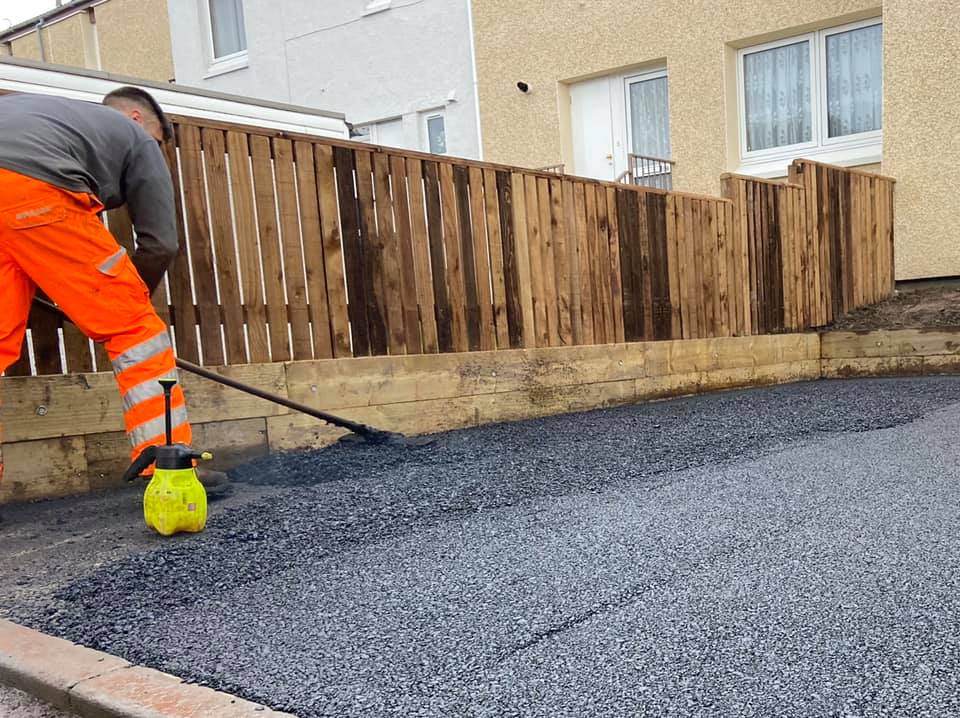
135, 39
129, 37
551, 43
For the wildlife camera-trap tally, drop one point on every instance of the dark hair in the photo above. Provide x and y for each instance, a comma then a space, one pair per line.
145, 100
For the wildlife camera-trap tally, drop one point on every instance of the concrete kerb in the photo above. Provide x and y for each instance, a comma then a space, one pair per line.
93, 684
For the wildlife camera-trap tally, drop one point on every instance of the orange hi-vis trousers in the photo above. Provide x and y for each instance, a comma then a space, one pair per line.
52, 239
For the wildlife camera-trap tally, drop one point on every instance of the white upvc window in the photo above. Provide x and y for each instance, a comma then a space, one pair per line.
226, 35
435, 132
818, 95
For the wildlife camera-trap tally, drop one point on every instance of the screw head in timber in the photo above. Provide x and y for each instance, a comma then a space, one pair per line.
41, 410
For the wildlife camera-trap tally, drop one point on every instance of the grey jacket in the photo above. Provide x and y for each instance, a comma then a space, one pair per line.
85, 147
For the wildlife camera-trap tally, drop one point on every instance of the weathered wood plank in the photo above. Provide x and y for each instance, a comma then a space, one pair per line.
481, 258
454, 259
333, 253
722, 275
371, 253
590, 268
547, 266
201, 247
392, 307
467, 262
574, 217
613, 248
603, 265
491, 203
673, 261
294, 274
523, 259
561, 208
312, 238
510, 271
535, 258
408, 262
441, 295
228, 279
422, 243
270, 248
583, 265
245, 223
184, 315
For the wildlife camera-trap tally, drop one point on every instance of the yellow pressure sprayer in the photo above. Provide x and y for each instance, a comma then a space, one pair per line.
175, 500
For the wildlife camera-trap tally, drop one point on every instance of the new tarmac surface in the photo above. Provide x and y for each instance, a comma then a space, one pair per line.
790, 551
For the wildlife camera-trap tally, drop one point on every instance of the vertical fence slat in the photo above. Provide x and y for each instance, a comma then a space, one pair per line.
547, 267
408, 264
576, 220
508, 213
603, 265
685, 254
613, 247
491, 203
312, 237
181, 294
629, 250
524, 279
673, 261
709, 224
467, 260
294, 275
352, 254
583, 264
591, 261
242, 192
421, 257
452, 244
371, 252
559, 205
441, 297
201, 248
391, 308
214, 149
270, 248
481, 260
535, 258
722, 265
333, 253
46, 340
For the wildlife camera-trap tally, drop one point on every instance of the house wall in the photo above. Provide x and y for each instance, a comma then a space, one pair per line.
129, 37
396, 63
552, 44
134, 38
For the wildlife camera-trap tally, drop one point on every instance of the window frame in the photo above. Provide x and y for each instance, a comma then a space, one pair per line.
627, 118
426, 116
860, 148
225, 63
870, 136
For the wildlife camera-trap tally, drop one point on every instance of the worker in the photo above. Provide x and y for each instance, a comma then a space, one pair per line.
62, 162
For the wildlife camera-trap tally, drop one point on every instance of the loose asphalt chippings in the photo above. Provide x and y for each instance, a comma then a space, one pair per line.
791, 551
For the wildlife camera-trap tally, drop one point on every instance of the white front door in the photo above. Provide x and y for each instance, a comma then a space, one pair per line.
591, 116
613, 116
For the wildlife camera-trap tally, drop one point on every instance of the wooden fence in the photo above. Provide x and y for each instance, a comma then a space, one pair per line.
295, 247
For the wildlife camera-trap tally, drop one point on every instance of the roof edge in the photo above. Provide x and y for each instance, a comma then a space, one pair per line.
171, 86
30, 23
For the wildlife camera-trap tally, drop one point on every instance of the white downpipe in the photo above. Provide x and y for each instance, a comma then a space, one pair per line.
476, 84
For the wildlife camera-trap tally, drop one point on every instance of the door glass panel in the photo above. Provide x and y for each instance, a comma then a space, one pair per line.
437, 135
650, 118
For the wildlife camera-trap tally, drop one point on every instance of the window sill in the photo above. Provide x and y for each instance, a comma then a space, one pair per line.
227, 64
771, 167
